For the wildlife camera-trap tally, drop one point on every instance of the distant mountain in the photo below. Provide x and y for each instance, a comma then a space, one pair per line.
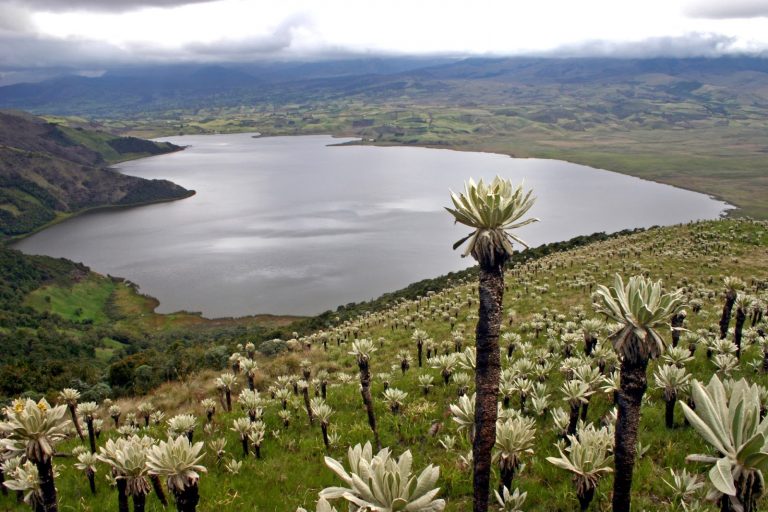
48, 170
126, 92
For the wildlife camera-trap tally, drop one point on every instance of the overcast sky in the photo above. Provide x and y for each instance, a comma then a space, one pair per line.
90, 35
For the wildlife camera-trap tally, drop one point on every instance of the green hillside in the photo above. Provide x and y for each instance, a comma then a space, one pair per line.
49, 172
546, 301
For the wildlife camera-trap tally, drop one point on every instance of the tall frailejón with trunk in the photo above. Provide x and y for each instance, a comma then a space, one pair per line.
492, 210
639, 307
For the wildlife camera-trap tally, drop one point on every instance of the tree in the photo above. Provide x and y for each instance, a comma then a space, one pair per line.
32, 429
379, 482
514, 438
672, 381
587, 459
70, 396
732, 287
639, 307
362, 350
492, 210
178, 461
731, 426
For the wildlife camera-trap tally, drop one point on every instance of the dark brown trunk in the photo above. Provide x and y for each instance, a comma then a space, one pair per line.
324, 428
634, 382
677, 323
116, 419
586, 498
311, 416
573, 420
488, 369
725, 319
187, 499
3, 488
228, 394
584, 410
139, 500
157, 486
122, 497
324, 389
738, 329
419, 348
257, 450
76, 421
669, 412
91, 480
365, 392
244, 442
506, 474
47, 485
91, 434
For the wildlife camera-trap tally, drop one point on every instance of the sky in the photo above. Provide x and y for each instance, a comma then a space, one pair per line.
39, 37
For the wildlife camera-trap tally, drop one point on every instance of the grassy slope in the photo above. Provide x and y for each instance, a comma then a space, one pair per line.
292, 470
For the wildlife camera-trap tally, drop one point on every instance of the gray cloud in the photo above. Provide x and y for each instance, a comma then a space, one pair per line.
721, 9
278, 41
691, 45
99, 5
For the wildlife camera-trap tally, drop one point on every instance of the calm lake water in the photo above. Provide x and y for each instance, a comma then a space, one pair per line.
292, 225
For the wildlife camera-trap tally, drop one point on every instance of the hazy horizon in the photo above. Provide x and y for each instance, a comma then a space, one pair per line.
42, 38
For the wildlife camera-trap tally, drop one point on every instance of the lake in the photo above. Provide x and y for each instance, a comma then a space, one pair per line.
295, 225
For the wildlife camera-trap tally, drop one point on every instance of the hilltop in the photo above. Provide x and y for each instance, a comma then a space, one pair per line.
49, 171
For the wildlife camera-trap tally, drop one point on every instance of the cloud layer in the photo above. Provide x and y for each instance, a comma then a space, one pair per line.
91, 34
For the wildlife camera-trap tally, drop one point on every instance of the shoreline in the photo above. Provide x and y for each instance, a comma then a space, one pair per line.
71, 215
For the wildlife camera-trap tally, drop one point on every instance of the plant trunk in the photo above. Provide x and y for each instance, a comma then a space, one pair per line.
3, 488
91, 434
488, 369
585, 498
157, 486
244, 442
116, 419
187, 499
573, 420
634, 382
584, 410
324, 389
738, 329
419, 348
725, 319
311, 416
669, 412
251, 386
257, 450
677, 324
365, 392
47, 485
122, 497
76, 421
228, 394
91, 480
506, 474
324, 428
139, 501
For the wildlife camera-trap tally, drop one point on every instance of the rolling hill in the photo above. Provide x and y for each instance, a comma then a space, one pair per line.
49, 171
